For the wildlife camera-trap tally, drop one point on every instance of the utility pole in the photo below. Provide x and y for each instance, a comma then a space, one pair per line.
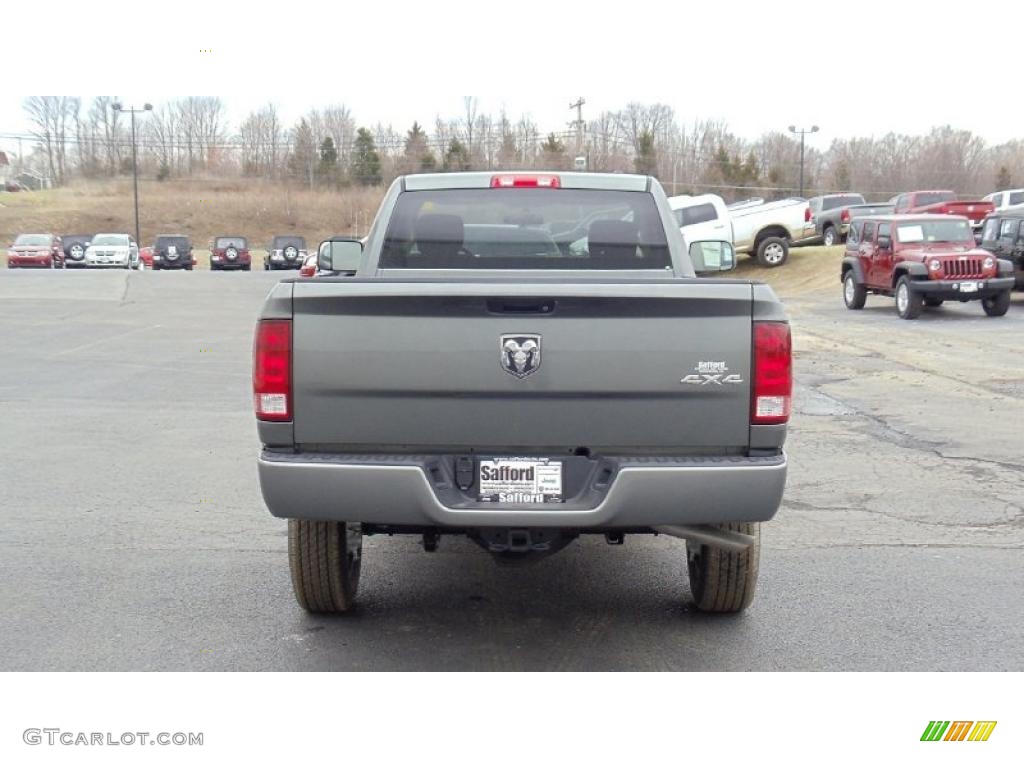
802, 132
119, 107
578, 122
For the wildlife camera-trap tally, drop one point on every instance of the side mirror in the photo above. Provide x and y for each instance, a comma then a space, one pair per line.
712, 256
340, 255
884, 242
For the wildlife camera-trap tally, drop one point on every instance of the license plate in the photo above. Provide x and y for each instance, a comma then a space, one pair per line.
520, 481
968, 287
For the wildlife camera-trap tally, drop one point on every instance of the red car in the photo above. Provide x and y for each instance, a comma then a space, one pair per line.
922, 260
40, 251
146, 256
308, 268
230, 252
944, 201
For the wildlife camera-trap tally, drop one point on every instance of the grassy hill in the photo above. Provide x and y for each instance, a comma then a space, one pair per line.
199, 208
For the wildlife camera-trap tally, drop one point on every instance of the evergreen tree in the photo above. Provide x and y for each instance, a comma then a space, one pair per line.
366, 160
457, 158
1003, 179
646, 160
417, 151
554, 152
328, 160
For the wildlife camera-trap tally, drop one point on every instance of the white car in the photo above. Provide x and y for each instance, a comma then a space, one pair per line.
112, 250
1008, 198
702, 217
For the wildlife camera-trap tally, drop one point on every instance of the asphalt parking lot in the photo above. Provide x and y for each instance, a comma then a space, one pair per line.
134, 536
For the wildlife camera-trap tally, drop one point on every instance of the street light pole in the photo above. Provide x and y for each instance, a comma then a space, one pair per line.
119, 107
803, 132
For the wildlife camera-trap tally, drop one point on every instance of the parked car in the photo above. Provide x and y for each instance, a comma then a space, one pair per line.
309, 266
766, 230
1008, 198
146, 257
922, 260
943, 201
1003, 236
112, 250
173, 252
74, 249
40, 251
286, 252
832, 214
472, 398
230, 252
702, 217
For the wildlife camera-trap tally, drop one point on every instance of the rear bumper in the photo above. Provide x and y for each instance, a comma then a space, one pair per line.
43, 263
395, 490
950, 289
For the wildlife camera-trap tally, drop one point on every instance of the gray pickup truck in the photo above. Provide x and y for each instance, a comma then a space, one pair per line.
473, 369
832, 214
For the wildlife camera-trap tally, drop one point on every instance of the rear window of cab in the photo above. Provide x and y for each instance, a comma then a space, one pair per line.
564, 229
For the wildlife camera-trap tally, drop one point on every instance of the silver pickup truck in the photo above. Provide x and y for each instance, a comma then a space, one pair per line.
472, 370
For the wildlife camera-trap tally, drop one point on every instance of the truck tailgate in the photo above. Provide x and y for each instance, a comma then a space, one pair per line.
657, 367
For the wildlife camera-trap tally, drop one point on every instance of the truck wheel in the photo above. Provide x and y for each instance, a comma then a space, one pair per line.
325, 559
996, 306
830, 236
723, 581
931, 301
854, 293
908, 301
772, 252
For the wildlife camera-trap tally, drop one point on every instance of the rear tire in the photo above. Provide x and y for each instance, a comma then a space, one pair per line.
721, 580
996, 306
772, 252
854, 293
325, 560
830, 236
909, 303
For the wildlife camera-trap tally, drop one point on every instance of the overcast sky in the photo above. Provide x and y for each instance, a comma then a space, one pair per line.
854, 68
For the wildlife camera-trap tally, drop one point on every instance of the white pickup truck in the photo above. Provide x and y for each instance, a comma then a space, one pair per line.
766, 230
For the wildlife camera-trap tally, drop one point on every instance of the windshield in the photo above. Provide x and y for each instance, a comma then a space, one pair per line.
179, 243
525, 229
33, 240
230, 242
951, 230
283, 241
842, 201
110, 240
930, 198
695, 214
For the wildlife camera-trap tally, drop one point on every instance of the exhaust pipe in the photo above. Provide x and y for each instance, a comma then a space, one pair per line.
710, 535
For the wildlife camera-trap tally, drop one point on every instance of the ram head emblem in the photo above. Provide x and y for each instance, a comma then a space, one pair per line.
520, 354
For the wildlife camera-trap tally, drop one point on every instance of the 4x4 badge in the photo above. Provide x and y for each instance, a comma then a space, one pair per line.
520, 353
711, 372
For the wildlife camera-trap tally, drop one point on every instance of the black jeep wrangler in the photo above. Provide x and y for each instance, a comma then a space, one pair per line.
172, 252
74, 249
286, 252
1003, 235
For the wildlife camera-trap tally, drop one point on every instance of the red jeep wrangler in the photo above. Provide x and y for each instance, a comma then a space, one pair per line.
923, 260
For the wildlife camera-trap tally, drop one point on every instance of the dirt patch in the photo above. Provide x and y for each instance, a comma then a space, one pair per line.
809, 268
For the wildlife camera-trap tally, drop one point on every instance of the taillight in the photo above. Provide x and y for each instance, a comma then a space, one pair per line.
807, 213
772, 391
508, 180
272, 370
844, 215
